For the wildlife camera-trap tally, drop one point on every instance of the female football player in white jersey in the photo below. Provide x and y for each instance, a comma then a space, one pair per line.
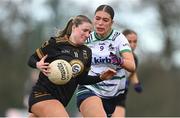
110, 48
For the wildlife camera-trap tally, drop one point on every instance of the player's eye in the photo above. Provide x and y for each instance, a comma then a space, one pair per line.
86, 30
106, 20
97, 18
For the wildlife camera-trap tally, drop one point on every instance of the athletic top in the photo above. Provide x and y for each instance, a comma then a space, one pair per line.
116, 43
78, 56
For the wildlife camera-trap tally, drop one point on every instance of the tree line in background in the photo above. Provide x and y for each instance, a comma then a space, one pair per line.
20, 34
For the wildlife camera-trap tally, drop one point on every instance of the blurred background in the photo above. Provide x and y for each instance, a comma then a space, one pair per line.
26, 24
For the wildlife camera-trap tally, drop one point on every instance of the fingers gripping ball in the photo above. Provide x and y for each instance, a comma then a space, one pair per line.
60, 72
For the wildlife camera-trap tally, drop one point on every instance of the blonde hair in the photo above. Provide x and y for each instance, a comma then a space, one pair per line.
66, 32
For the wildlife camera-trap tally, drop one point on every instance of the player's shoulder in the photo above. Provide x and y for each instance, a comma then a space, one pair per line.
48, 42
115, 34
54, 40
60, 39
116, 31
118, 36
85, 47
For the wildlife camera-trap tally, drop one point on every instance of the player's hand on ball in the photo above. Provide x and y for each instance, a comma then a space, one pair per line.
43, 66
108, 74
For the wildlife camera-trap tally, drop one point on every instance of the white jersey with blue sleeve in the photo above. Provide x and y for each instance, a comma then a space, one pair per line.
116, 43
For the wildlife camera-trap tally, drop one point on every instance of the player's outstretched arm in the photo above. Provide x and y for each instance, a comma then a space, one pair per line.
88, 79
108, 74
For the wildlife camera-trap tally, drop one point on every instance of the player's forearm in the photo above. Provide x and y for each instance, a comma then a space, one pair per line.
133, 78
87, 80
128, 62
129, 65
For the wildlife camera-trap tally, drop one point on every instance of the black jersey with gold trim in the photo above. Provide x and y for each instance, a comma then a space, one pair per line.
78, 56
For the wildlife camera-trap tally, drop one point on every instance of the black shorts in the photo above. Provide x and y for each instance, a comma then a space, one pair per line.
39, 93
46, 90
108, 104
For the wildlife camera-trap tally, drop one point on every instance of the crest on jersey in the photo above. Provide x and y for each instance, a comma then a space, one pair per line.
85, 55
77, 67
111, 48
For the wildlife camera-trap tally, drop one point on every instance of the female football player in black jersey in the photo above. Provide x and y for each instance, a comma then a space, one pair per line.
48, 99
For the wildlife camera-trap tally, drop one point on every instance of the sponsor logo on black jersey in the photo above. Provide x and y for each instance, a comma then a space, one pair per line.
77, 67
65, 51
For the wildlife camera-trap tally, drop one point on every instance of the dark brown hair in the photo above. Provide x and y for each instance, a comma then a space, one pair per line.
128, 31
107, 9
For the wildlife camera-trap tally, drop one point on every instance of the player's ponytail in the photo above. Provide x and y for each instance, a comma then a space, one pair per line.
66, 32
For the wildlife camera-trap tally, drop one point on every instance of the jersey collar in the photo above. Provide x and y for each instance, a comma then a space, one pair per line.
103, 38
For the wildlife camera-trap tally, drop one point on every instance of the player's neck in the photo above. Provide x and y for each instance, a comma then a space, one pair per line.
104, 36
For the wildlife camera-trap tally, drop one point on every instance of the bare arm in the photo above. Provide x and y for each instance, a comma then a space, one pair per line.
128, 61
133, 78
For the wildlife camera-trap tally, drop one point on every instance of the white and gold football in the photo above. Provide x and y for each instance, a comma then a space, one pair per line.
60, 72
